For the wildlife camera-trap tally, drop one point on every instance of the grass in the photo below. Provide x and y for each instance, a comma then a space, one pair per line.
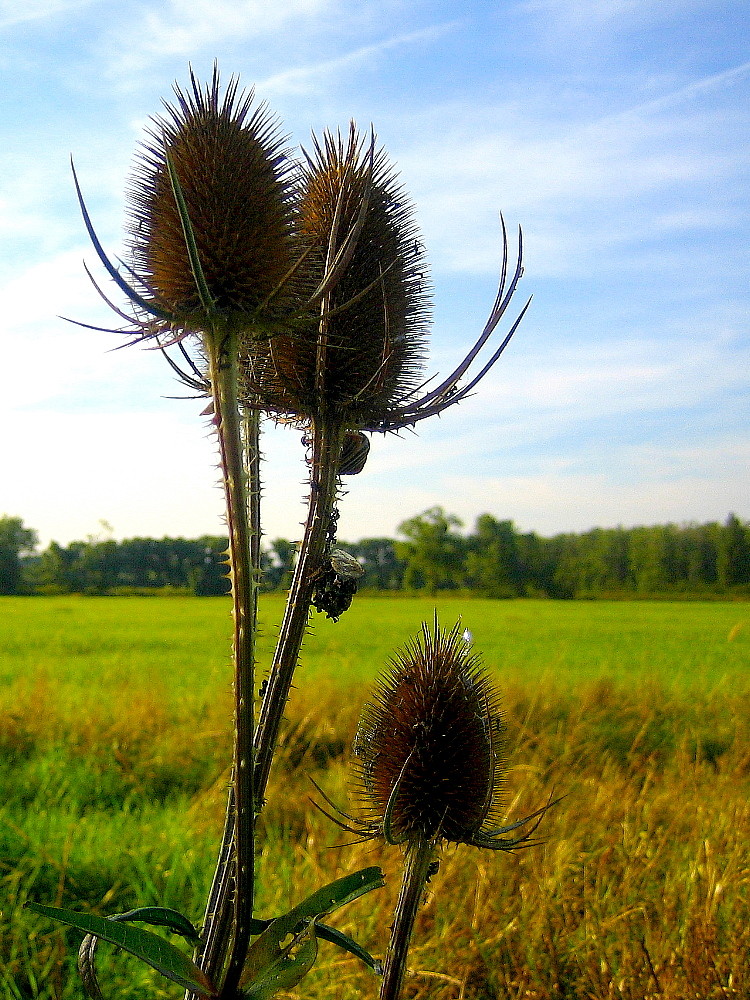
114, 742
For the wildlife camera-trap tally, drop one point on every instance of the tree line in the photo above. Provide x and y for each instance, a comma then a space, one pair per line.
431, 555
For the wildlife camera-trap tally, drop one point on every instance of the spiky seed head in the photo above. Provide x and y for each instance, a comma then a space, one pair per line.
361, 349
429, 747
234, 177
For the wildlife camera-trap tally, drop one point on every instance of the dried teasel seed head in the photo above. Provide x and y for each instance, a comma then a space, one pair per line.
360, 350
234, 178
429, 747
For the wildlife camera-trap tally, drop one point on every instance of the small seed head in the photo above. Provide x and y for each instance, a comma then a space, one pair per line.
429, 744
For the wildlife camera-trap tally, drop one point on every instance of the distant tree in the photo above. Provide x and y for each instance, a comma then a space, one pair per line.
16, 541
699, 552
383, 568
99, 566
434, 552
537, 558
277, 563
50, 573
209, 578
651, 559
733, 555
493, 562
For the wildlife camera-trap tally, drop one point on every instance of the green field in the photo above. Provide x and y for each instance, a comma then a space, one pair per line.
115, 739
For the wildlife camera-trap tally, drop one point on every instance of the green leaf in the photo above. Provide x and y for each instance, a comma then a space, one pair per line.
161, 916
278, 960
286, 950
156, 951
337, 894
346, 943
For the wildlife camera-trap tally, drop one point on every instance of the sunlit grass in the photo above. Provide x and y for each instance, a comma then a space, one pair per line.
115, 730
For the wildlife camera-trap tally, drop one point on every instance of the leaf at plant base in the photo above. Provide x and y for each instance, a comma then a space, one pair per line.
156, 951
343, 941
284, 949
278, 960
161, 916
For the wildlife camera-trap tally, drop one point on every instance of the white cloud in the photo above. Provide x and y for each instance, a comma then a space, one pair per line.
145, 473
707, 485
592, 26
580, 195
184, 27
12, 12
53, 358
299, 79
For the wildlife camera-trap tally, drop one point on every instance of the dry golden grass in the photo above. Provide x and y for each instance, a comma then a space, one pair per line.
640, 889
114, 796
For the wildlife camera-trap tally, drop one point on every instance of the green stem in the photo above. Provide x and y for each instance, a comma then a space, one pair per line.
327, 437
418, 859
222, 352
217, 923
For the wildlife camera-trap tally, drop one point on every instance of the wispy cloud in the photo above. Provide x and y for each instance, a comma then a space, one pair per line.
298, 79
12, 13
592, 24
185, 27
584, 188
686, 93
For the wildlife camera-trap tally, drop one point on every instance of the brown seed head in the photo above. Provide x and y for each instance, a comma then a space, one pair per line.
234, 178
429, 745
361, 348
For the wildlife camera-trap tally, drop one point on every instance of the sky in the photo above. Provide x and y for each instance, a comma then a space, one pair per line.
614, 132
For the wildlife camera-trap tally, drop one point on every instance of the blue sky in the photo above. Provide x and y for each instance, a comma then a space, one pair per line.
614, 131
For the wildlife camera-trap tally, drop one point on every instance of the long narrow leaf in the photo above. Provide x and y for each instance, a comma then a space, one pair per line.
204, 293
327, 933
279, 960
155, 951
160, 916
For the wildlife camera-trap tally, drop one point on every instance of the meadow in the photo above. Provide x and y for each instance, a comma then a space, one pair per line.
115, 733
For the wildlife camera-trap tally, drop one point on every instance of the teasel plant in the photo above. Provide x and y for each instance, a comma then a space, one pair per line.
356, 366
352, 361
430, 766
212, 261
299, 291
216, 268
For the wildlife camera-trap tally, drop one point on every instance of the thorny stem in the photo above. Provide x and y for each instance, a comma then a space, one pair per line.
222, 352
418, 859
327, 437
217, 921
419, 856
